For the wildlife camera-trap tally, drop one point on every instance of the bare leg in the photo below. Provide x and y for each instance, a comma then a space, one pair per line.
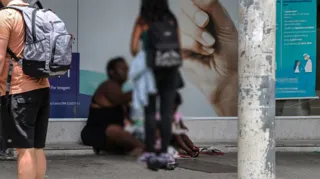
123, 139
41, 163
188, 141
27, 165
181, 144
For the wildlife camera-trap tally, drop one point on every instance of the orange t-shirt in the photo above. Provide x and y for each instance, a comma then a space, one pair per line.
12, 29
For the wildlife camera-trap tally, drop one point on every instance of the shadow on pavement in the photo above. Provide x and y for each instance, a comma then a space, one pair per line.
205, 166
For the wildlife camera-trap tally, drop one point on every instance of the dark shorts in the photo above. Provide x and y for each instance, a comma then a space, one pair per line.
25, 118
97, 138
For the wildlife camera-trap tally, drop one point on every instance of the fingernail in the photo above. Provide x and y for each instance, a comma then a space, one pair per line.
208, 38
201, 18
208, 50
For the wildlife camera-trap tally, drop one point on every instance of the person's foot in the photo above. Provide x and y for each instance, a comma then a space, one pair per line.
167, 162
153, 163
144, 157
196, 149
194, 152
163, 161
191, 153
169, 166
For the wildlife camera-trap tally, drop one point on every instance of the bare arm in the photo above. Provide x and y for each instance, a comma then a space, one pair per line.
3, 51
135, 39
114, 93
183, 126
4, 37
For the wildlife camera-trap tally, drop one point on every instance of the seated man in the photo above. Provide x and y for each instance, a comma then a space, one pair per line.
108, 114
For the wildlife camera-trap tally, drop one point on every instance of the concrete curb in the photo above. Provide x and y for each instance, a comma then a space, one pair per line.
227, 147
84, 150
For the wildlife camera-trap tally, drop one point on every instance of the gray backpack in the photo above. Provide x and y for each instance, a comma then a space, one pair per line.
48, 45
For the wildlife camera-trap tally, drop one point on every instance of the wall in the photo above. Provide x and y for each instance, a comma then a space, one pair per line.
94, 25
201, 131
68, 11
106, 33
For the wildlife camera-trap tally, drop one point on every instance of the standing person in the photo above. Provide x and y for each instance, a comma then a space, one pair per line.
26, 118
167, 79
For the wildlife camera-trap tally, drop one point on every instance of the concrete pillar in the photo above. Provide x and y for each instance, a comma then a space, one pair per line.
256, 144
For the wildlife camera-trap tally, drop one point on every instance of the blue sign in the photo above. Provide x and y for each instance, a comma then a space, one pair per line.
296, 51
64, 91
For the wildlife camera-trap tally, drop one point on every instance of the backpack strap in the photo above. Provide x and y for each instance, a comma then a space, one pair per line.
15, 58
10, 52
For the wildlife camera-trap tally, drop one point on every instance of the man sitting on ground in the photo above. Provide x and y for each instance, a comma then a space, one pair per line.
108, 114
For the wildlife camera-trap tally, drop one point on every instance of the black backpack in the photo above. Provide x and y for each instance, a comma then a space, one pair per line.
163, 45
